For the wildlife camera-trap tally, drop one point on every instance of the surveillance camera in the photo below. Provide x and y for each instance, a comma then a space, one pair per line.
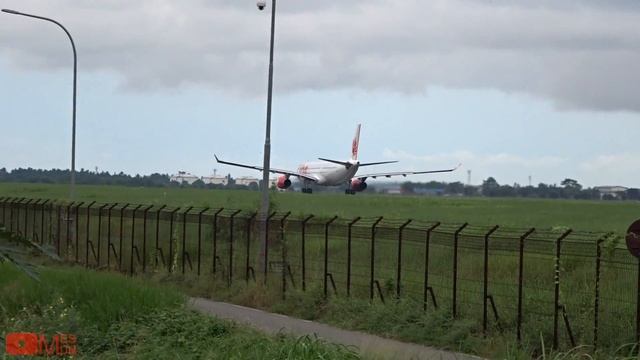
261, 5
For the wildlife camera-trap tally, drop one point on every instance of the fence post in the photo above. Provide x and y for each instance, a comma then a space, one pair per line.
26, 218
520, 282
51, 207
3, 200
303, 257
215, 239
200, 236
266, 248
326, 253
33, 225
144, 237
596, 305
68, 220
20, 203
77, 234
231, 218
10, 201
4, 209
557, 289
11, 215
283, 252
158, 212
100, 232
454, 299
42, 209
248, 267
373, 256
184, 236
86, 246
427, 288
58, 219
109, 211
399, 274
349, 228
58, 235
121, 236
486, 278
133, 239
170, 260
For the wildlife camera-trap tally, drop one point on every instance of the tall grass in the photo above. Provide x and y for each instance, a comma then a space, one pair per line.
115, 317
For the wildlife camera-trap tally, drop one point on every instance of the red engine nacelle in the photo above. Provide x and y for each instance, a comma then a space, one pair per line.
358, 185
283, 182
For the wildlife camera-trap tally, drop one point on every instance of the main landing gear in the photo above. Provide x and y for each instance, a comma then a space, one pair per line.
307, 190
350, 192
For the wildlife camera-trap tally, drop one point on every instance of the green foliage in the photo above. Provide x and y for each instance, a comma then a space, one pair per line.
99, 298
14, 249
539, 213
118, 317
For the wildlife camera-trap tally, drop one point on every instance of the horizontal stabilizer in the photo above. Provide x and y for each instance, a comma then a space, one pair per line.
343, 163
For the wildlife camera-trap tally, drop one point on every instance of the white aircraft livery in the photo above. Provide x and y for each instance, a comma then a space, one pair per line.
330, 172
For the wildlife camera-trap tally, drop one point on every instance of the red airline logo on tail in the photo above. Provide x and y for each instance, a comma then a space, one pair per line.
354, 144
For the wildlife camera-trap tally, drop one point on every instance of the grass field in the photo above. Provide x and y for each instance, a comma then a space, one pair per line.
403, 319
581, 215
115, 317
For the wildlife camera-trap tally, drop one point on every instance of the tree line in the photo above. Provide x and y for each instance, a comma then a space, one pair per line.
86, 177
568, 188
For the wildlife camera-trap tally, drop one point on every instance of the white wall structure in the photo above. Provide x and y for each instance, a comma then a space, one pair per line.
615, 191
183, 176
247, 180
215, 180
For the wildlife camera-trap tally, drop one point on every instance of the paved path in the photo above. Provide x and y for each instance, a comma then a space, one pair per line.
370, 346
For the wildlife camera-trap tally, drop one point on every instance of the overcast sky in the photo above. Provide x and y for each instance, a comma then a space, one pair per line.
510, 89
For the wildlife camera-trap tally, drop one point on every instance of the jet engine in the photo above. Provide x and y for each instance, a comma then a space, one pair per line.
283, 182
358, 185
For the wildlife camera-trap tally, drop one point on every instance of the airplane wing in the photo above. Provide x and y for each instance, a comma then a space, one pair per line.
271, 170
404, 173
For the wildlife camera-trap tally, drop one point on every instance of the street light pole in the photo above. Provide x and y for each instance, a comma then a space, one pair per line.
264, 211
75, 76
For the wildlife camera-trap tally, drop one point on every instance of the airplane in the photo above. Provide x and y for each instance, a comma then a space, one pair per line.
334, 172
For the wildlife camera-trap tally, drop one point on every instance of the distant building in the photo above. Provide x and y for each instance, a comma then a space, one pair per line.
247, 180
183, 176
428, 192
215, 180
611, 191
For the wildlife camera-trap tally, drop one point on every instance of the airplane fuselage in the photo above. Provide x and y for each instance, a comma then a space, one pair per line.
329, 174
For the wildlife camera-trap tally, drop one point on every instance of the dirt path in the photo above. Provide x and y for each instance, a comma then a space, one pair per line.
370, 346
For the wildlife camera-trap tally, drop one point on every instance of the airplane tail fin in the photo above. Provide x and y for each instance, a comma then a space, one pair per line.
355, 143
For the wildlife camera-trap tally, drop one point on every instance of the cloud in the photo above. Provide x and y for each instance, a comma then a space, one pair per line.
578, 54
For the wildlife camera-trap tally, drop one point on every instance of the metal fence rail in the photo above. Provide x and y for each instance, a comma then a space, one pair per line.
570, 287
